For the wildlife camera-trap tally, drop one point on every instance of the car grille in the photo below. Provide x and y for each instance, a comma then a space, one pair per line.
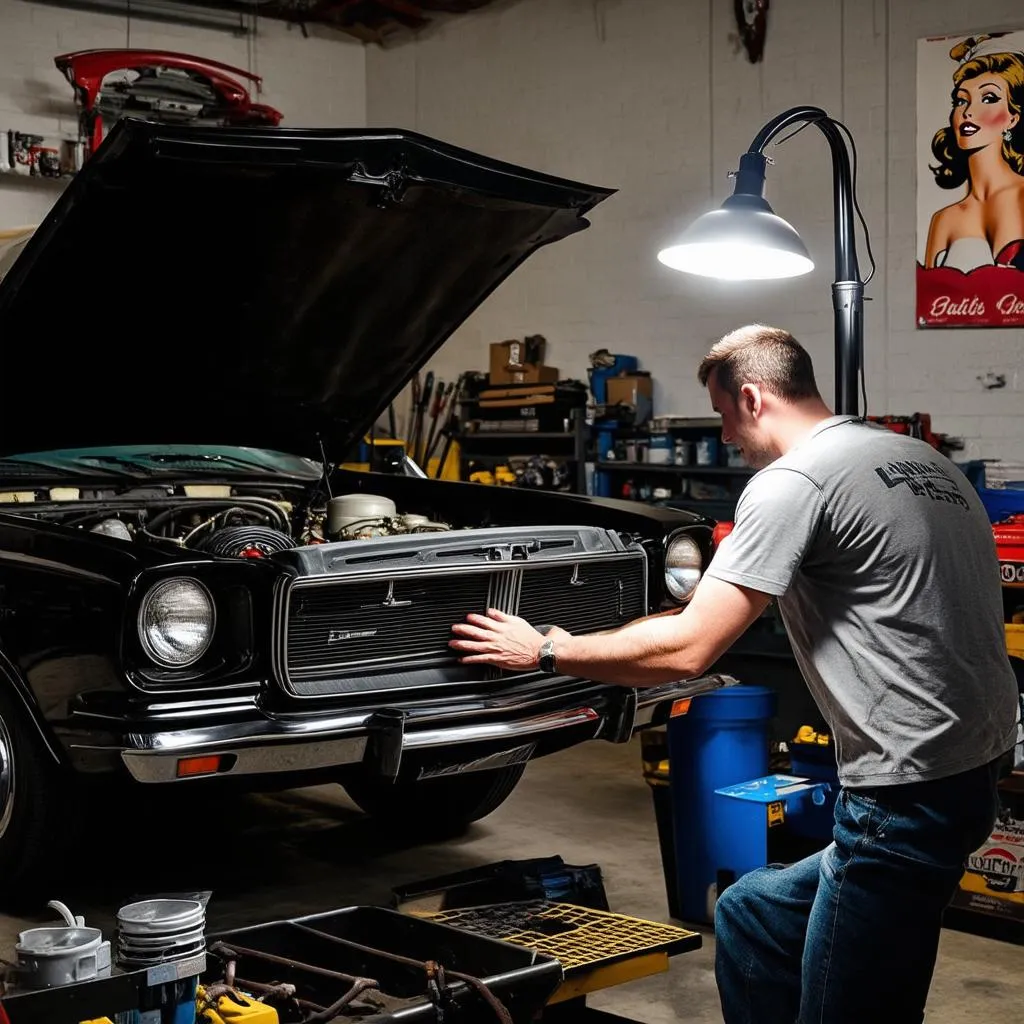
342, 628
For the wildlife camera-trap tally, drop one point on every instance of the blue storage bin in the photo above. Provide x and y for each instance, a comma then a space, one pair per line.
814, 760
1002, 502
599, 375
722, 740
747, 811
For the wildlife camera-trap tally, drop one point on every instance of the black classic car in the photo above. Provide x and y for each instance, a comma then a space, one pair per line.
191, 591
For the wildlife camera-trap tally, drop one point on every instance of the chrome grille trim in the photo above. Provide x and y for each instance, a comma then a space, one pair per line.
504, 591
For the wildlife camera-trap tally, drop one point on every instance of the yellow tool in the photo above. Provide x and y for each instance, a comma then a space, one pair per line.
501, 476
806, 734
233, 1006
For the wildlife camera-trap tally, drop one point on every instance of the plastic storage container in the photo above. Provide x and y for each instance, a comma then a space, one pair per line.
48, 957
722, 740
1002, 502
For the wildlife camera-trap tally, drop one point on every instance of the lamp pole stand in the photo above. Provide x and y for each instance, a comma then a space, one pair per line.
847, 289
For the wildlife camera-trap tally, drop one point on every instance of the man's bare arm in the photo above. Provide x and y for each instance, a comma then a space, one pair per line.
663, 649
650, 651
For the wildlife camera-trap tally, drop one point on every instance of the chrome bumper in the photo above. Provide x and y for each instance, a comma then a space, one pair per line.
303, 744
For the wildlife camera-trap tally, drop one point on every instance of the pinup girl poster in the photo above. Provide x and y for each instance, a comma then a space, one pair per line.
970, 181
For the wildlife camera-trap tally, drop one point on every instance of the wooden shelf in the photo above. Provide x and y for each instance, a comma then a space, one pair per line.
474, 456
693, 423
515, 435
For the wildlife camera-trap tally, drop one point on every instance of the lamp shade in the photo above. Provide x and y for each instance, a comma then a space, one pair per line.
742, 241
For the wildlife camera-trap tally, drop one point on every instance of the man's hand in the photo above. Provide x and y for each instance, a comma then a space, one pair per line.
499, 639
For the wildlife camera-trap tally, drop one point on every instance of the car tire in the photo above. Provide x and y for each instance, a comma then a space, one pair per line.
435, 806
36, 810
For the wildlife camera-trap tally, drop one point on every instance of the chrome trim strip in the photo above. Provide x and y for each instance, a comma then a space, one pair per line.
262, 753
222, 738
444, 737
651, 698
460, 569
281, 746
256, 760
279, 631
195, 708
505, 589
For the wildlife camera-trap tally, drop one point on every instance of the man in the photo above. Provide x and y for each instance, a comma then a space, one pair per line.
883, 563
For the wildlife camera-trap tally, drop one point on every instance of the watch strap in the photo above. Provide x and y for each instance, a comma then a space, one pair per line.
546, 658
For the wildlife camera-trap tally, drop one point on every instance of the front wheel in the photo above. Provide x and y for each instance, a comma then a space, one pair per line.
435, 806
35, 816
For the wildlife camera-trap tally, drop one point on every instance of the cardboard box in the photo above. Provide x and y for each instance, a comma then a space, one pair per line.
993, 883
628, 389
521, 362
632, 390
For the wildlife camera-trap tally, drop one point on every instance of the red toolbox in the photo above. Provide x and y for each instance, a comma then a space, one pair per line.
1009, 536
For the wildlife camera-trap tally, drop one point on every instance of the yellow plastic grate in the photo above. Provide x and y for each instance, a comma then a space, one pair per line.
578, 937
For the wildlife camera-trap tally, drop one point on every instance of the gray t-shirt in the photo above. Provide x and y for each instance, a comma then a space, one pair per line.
884, 564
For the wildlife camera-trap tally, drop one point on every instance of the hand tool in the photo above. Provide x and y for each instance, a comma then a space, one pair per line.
428, 391
410, 425
444, 392
448, 431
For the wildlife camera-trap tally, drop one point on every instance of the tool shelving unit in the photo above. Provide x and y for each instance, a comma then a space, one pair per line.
495, 447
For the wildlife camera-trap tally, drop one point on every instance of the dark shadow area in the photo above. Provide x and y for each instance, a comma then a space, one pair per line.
264, 856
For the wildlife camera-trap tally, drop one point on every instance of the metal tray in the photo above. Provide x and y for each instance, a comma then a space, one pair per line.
323, 955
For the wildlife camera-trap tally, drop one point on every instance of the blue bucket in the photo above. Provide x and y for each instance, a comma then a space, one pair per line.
721, 741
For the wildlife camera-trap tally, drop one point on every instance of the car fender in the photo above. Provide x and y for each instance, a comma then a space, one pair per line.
13, 684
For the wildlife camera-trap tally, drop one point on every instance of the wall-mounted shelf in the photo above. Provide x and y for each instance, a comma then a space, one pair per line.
495, 445
671, 467
513, 435
717, 486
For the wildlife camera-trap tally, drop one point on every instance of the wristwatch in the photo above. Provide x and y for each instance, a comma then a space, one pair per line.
547, 657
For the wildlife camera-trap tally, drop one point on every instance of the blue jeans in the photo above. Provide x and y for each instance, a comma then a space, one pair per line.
851, 933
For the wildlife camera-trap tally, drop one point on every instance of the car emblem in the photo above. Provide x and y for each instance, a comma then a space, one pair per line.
337, 635
389, 600
576, 581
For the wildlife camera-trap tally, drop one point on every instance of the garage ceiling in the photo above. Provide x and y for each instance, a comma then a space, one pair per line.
372, 21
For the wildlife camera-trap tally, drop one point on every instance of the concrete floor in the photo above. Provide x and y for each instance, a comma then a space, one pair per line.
270, 857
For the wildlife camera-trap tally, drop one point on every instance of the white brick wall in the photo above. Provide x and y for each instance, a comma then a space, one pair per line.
318, 81
649, 96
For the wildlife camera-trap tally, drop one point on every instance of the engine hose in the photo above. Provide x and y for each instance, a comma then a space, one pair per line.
232, 541
255, 505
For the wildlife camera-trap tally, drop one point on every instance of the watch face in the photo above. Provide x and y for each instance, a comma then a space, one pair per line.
547, 656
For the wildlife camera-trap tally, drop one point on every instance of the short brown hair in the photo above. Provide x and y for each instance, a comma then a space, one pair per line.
769, 357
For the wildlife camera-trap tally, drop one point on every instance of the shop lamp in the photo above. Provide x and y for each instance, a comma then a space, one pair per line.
746, 240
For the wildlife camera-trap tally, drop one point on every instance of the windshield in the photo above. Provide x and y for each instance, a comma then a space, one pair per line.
164, 460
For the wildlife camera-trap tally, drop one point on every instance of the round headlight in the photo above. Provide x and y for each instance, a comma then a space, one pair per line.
683, 565
176, 622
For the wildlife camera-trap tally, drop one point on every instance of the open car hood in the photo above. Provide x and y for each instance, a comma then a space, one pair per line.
265, 287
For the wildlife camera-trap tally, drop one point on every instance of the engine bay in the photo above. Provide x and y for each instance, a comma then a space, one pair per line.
218, 520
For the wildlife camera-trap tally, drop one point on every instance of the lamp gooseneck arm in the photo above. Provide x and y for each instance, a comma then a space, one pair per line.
847, 289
